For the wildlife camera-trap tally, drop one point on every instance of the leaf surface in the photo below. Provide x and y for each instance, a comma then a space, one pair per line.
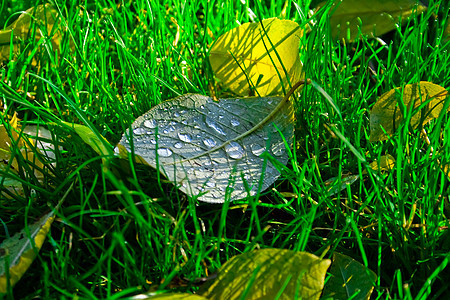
372, 17
248, 53
17, 252
265, 273
349, 277
386, 113
214, 148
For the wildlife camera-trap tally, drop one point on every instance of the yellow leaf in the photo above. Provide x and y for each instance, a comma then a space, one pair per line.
252, 53
48, 24
262, 274
386, 113
18, 251
385, 163
371, 17
5, 140
22, 143
97, 142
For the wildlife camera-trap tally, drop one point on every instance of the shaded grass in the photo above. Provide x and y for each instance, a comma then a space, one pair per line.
124, 229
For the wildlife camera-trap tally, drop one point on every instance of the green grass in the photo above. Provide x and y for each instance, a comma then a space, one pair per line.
123, 229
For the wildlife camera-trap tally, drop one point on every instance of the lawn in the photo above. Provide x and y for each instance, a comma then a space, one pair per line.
124, 229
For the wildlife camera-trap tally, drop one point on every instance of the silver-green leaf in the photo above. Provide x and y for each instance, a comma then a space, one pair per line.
214, 149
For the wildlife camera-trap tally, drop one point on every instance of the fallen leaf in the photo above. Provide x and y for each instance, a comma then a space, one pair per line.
269, 274
370, 17
48, 22
349, 277
385, 163
386, 115
96, 141
19, 251
252, 53
26, 146
345, 180
213, 149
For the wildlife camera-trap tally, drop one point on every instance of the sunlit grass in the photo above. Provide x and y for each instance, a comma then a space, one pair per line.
126, 229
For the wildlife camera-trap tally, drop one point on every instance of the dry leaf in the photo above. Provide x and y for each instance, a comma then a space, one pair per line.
47, 21
386, 113
264, 273
371, 17
18, 252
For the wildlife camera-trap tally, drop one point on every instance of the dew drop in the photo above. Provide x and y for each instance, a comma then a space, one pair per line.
139, 131
234, 150
176, 114
153, 141
169, 129
257, 149
235, 122
185, 137
209, 142
164, 152
178, 145
214, 126
150, 123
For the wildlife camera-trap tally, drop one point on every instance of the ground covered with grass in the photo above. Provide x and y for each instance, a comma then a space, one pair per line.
124, 229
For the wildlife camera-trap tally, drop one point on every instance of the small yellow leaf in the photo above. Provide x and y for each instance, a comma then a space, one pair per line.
386, 113
252, 53
97, 142
263, 274
371, 17
385, 163
19, 251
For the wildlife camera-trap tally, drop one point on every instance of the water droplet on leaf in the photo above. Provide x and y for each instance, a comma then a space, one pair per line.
164, 152
214, 126
234, 150
185, 137
209, 142
257, 149
150, 123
